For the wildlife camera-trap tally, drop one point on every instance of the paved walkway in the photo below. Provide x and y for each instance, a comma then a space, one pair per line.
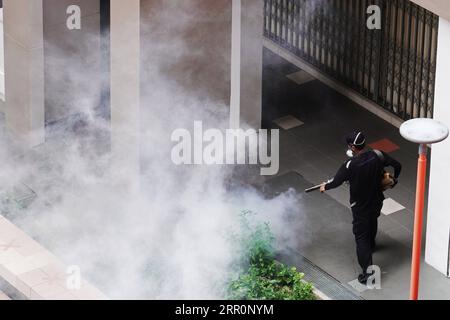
312, 146
35, 272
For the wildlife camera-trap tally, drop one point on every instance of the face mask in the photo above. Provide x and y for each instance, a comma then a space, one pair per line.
350, 153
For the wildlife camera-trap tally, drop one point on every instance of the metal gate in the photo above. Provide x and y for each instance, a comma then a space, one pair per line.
394, 67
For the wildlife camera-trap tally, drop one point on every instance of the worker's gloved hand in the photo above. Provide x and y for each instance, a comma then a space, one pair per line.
323, 187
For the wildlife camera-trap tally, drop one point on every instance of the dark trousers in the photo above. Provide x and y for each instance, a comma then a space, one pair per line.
365, 229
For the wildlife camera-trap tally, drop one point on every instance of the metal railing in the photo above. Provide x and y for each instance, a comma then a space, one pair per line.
394, 67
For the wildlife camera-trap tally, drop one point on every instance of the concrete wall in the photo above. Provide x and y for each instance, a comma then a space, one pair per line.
72, 59
24, 70
125, 91
438, 226
188, 42
439, 7
246, 64
2, 62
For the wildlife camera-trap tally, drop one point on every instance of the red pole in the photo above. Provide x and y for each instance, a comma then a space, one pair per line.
418, 223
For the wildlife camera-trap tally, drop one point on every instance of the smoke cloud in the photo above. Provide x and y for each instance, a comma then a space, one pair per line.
169, 239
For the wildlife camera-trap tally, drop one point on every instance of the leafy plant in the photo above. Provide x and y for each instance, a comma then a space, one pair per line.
261, 276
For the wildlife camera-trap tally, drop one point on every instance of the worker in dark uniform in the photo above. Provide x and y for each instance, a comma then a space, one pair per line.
364, 173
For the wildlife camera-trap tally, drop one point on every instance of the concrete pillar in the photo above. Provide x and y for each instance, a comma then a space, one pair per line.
246, 63
125, 89
24, 70
2, 63
438, 225
73, 60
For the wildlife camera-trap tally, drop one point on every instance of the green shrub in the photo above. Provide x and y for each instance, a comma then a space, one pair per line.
261, 276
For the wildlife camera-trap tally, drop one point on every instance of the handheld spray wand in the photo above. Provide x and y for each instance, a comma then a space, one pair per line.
315, 188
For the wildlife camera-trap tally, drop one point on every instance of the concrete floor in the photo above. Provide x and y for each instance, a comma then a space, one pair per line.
312, 153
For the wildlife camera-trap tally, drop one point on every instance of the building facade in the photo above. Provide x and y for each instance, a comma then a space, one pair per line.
402, 70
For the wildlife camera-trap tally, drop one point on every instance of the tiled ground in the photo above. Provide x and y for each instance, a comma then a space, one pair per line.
33, 271
3, 296
316, 150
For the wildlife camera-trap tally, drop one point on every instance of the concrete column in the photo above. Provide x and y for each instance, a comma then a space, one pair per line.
246, 63
73, 60
24, 70
438, 225
125, 89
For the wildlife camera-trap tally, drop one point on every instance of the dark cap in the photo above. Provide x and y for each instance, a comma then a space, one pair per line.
357, 139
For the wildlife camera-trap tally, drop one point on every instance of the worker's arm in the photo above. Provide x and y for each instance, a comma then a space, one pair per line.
391, 162
342, 175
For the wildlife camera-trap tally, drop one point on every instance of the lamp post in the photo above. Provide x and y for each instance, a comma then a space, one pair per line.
424, 132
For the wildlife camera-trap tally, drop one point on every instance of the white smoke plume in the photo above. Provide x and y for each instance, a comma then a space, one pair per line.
170, 240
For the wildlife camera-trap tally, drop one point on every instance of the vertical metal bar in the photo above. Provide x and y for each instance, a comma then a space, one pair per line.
286, 22
276, 20
346, 11
294, 26
290, 14
394, 57
321, 36
364, 90
332, 43
330, 26
350, 28
372, 35
416, 43
360, 22
297, 26
325, 37
336, 37
430, 59
273, 18
265, 18
308, 36
355, 42
314, 34
399, 102
385, 60
380, 40
303, 24
342, 37
282, 23
409, 114
422, 58
436, 26
269, 18
291, 24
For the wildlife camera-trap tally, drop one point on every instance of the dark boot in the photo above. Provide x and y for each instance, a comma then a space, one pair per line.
363, 278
